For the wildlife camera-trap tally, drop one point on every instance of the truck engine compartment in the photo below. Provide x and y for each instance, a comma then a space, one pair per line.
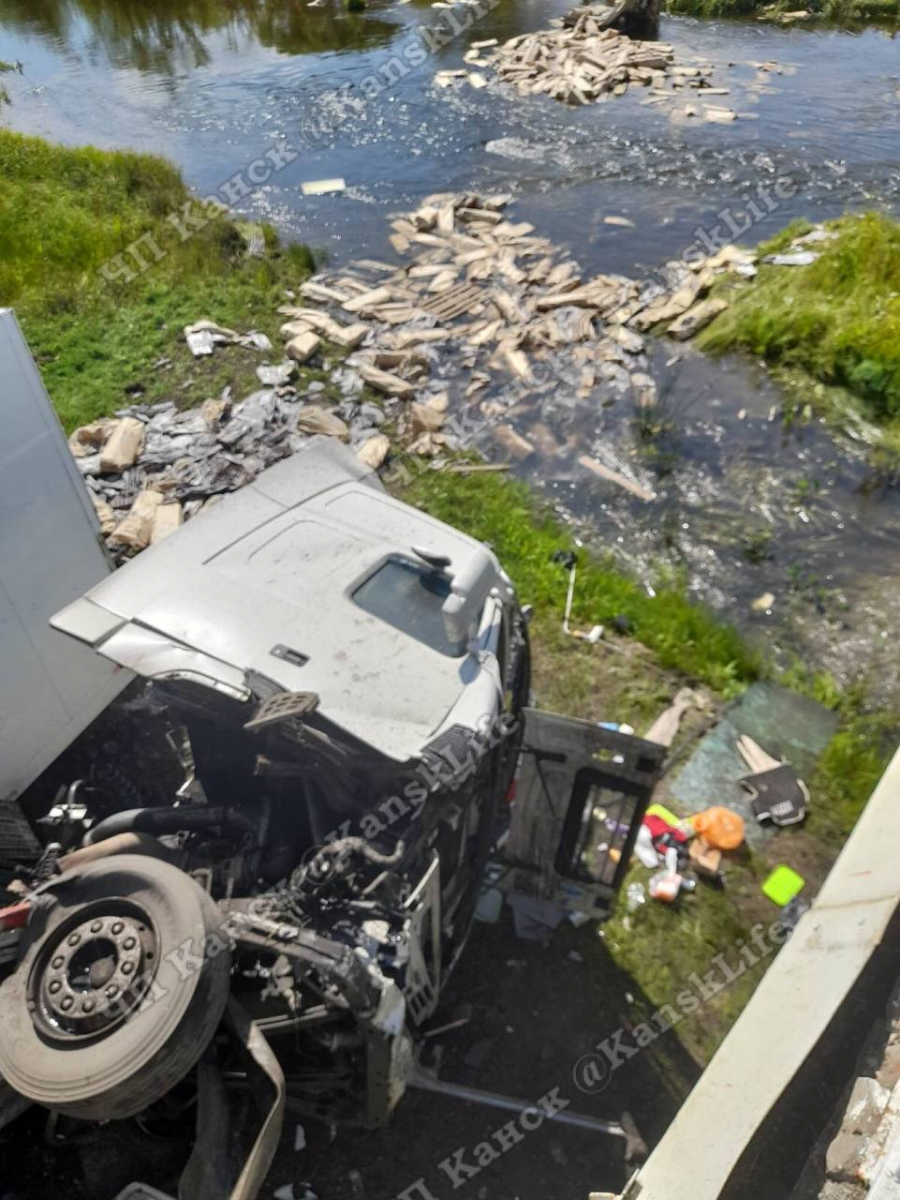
268, 885
242, 890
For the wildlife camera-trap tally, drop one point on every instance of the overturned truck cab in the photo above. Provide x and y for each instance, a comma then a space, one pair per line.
342, 686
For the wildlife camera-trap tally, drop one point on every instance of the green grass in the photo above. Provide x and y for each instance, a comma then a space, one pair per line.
65, 213
672, 642
683, 636
855, 759
848, 771
885, 12
661, 946
834, 324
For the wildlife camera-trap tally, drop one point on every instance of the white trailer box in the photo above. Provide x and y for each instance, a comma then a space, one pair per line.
51, 687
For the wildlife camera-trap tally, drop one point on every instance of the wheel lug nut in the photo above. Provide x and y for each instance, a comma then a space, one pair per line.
127, 968
112, 992
74, 939
67, 1004
87, 1006
117, 928
129, 943
96, 927
55, 987
57, 962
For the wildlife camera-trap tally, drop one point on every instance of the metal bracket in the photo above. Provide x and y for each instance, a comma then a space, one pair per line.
283, 706
635, 1146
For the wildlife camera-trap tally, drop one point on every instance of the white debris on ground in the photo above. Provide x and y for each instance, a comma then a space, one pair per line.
799, 254
584, 63
203, 337
154, 466
482, 322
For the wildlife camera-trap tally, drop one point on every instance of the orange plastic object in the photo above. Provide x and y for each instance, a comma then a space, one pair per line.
720, 827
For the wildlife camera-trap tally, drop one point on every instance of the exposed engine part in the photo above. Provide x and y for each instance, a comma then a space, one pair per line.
336, 860
117, 993
169, 820
47, 865
69, 811
122, 843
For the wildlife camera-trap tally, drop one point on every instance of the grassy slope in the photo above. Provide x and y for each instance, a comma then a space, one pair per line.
673, 643
683, 636
63, 214
834, 324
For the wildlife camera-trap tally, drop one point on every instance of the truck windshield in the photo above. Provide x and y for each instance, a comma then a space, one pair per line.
410, 596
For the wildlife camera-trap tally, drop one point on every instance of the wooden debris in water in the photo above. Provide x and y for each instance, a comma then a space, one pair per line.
483, 296
696, 318
616, 477
475, 468
323, 187
513, 443
581, 62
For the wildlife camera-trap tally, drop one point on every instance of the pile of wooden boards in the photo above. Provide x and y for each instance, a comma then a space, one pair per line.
483, 320
582, 62
499, 301
501, 297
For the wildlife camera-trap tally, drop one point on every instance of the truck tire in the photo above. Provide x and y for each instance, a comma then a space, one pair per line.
121, 988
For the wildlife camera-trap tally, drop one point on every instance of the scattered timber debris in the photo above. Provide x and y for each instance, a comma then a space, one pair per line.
484, 319
155, 467
773, 13
485, 309
584, 62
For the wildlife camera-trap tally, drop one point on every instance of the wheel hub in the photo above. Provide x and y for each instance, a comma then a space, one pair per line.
91, 974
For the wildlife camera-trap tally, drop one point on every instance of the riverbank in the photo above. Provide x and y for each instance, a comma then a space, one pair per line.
825, 314
631, 678
98, 337
103, 271
837, 12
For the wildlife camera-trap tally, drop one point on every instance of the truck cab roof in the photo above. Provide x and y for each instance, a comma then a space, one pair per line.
317, 580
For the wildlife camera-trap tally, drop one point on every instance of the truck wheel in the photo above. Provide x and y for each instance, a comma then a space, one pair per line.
120, 990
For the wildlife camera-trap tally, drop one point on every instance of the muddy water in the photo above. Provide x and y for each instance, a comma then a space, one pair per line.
744, 509
742, 505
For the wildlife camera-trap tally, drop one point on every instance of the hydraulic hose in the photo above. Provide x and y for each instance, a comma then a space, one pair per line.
160, 821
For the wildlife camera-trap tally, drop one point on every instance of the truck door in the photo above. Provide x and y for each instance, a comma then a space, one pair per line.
581, 797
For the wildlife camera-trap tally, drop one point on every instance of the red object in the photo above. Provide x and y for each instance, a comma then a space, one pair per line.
660, 828
16, 916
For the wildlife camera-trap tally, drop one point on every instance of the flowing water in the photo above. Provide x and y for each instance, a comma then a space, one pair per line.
743, 505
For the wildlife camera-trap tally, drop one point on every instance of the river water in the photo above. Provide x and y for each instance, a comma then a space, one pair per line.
744, 505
